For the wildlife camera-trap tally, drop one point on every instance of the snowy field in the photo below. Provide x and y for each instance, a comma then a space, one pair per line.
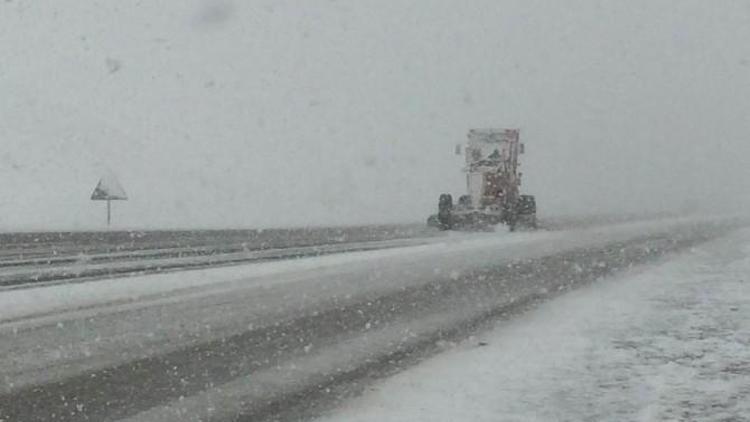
667, 343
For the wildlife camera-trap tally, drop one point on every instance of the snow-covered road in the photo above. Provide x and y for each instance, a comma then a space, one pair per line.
106, 295
254, 340
669, 343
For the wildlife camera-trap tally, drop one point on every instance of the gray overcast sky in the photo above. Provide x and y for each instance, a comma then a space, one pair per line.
271, 113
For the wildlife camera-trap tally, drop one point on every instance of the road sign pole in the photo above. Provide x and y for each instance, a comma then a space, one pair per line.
108, 190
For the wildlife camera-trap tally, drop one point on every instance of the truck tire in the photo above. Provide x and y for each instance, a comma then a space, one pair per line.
512, 222
527, 204
464, 201
527, 211
445, 211
445, 202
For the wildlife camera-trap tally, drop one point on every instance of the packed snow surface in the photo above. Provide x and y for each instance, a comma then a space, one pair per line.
45, 300
665, 343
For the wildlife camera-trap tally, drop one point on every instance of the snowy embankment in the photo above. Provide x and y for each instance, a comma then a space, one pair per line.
664, 343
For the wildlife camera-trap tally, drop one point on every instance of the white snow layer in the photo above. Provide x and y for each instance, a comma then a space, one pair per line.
667, 343
47, 300
40, 301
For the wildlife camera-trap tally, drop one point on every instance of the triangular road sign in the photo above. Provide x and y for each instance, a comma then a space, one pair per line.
109, 189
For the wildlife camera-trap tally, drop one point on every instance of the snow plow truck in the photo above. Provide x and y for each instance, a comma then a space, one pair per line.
493, 186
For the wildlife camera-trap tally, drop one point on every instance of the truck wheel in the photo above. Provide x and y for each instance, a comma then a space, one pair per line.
445, 202
445, 211
527, 211
512, 223
464, 201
